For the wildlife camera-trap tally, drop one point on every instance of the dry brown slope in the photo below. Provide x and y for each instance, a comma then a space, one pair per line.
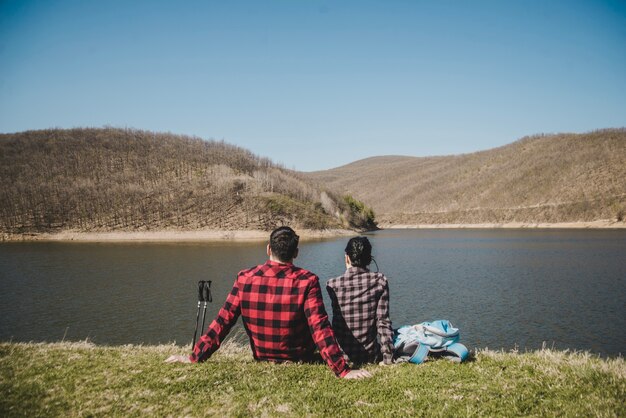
102, 180
543, 178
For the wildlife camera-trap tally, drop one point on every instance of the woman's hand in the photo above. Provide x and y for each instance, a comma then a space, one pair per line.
178, 359
358, 374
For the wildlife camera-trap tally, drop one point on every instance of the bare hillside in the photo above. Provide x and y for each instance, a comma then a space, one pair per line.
543, 178
130, 180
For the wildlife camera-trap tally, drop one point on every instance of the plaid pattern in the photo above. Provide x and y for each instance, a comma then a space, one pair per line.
283, 313
360, 302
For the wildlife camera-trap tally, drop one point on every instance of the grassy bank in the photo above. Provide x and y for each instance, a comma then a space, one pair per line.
71, 379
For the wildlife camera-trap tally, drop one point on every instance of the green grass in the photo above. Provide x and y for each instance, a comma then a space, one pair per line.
81, 379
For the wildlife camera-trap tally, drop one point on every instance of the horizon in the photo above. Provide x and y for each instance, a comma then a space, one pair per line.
315, 85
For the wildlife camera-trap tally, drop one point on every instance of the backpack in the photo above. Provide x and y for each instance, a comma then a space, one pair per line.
412, 343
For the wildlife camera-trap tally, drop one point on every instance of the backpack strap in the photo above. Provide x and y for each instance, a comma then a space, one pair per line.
458, 350
420, 353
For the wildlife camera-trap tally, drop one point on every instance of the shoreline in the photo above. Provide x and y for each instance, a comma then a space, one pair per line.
209, 235
242, 235
600, 224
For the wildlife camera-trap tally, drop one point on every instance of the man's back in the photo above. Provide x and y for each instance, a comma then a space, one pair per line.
282, 310
272, 308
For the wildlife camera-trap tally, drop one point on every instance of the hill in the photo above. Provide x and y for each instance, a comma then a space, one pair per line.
537, 179
102, 180
80, 379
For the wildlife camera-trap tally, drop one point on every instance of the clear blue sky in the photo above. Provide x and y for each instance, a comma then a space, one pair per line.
317, 84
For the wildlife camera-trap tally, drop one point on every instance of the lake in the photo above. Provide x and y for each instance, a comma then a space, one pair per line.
503, 288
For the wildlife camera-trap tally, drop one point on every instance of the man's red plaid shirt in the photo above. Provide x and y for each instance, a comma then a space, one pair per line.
283, 313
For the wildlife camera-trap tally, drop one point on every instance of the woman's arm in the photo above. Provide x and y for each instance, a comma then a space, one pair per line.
383, 323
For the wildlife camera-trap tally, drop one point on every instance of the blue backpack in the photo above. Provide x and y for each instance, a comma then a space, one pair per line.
413, 342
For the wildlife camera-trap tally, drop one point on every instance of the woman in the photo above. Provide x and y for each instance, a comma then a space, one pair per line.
360, 301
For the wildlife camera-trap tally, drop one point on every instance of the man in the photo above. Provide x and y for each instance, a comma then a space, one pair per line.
360, 300
282, 310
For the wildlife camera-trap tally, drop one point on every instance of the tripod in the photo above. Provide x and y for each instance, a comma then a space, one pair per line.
204, 295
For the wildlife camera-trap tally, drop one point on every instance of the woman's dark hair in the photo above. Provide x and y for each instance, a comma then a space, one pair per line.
284, 243
359, 250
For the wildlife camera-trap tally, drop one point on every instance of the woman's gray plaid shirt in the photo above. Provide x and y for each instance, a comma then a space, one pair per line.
360, 302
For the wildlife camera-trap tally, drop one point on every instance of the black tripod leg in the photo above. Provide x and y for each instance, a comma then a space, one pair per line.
201, 291
204, 315
206, 297
195, 333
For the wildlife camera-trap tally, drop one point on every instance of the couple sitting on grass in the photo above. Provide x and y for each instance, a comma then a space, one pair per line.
285, 319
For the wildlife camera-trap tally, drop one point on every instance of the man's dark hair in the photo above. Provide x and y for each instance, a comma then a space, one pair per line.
284, 243
359, 250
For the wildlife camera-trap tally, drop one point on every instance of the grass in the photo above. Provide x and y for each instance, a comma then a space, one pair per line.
81, 379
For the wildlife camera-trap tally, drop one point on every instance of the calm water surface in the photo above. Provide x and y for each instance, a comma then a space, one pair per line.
502, 288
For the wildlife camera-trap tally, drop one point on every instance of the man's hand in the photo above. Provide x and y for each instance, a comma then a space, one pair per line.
178, 359
358, 374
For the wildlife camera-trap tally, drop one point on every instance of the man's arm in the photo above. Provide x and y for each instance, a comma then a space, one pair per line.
323, 335
220, 327
383, 322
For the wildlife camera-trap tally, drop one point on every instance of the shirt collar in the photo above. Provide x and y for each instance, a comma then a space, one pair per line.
278, 264
357, 270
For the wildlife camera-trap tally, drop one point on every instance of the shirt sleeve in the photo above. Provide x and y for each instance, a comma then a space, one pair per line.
321, 331
383, 323
219, 328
